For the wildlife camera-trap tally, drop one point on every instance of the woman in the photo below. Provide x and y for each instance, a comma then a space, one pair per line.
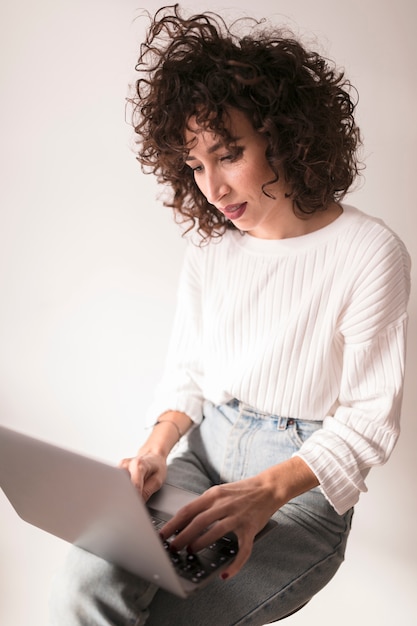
285, 370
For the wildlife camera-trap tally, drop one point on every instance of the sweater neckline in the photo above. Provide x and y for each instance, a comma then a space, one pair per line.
295, 244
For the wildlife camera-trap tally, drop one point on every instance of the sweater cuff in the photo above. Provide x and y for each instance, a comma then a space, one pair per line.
341, 485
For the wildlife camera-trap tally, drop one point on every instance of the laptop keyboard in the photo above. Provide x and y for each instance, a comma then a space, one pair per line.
196, 567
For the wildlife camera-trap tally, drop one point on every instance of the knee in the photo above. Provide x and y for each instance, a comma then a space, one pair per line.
75, 587
89, 590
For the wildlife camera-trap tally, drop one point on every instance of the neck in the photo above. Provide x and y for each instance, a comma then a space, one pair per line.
290, 225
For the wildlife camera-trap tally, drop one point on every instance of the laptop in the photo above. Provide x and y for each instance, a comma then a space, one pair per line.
94, 505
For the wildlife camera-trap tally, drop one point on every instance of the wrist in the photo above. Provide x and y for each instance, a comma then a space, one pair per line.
289, 479
173, 424
166, 433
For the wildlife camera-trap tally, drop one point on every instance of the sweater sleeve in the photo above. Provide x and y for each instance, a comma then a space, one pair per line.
364, 427
180, 386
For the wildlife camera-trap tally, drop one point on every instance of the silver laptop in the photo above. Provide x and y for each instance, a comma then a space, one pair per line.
94, 505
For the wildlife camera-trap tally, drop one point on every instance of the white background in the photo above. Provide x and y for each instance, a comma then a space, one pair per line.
89, 260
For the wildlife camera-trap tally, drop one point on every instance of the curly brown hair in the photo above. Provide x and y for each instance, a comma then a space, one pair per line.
199, 66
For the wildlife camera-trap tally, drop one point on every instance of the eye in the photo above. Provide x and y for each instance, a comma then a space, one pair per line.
233, 155
195, 168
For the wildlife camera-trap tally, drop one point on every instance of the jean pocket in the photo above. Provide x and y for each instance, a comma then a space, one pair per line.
301, 430
224, 412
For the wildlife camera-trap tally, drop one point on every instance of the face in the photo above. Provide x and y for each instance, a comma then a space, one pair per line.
232, 180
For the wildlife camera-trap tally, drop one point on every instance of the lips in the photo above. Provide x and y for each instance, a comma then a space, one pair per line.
234, 211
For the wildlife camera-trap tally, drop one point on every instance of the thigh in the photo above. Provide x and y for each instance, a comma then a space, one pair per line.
287, 567
188, 467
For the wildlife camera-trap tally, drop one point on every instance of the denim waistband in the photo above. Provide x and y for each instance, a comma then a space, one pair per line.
282, 422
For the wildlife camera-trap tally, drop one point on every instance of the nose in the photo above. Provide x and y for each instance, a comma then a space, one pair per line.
214, 187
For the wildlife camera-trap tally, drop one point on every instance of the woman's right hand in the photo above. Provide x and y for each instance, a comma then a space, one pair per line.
147, 471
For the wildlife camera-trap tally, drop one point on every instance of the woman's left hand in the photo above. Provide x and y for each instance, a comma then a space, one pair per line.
243, 507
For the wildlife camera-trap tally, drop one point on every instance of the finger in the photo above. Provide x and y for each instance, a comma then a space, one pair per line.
188, 524
245, 550
179, 520
206, 537
124, 464
202, 531
150, 486
136, 475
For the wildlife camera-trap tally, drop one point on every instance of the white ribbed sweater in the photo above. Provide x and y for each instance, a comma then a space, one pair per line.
311, 327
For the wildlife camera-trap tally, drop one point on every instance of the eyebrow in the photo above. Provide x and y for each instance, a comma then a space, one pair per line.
216, 146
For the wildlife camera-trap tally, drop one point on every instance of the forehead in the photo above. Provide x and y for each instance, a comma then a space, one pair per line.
236, 123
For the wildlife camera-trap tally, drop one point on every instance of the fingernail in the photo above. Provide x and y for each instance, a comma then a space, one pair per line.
224, 576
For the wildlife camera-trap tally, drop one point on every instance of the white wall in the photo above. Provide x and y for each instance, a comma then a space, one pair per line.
89, 262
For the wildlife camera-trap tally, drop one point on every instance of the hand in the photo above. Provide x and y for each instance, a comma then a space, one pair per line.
243, 507
147, 471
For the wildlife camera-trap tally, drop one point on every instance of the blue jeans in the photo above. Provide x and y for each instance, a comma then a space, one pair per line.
287, 567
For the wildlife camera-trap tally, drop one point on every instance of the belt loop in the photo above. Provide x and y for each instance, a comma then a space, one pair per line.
282, 423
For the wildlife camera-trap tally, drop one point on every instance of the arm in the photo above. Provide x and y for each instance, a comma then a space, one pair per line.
180, 386
364, 427
178, 389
